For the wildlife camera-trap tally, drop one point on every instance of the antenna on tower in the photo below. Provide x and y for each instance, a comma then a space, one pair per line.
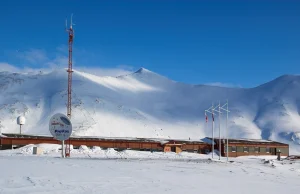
71, 21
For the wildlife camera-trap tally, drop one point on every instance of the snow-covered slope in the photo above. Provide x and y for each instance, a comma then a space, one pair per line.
145, 104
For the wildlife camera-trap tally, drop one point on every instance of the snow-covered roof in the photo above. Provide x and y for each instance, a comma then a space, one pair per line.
249, 141
207, 140
162, 141
252, 140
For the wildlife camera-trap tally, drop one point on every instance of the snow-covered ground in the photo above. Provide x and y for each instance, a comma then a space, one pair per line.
106, 171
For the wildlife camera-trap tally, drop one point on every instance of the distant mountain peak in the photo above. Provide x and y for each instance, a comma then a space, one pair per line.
145, 73
143, 70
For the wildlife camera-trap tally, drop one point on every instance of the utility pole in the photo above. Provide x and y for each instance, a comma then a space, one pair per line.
227, 111
218, 110
213, 122
211, 111
206, 121
220, 150
227, 131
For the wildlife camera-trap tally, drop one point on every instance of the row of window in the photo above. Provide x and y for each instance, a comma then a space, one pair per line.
246, 149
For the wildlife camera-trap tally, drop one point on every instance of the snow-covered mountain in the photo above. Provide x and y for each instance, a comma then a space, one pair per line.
145, 104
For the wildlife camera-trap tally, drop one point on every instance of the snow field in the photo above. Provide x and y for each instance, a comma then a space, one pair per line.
25, 173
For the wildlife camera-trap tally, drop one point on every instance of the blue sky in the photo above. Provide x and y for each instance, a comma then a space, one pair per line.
243, 43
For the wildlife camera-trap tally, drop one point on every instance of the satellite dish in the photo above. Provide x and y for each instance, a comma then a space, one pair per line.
60, 127
21, 120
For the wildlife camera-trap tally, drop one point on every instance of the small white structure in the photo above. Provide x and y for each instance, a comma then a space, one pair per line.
37, 151
21, 121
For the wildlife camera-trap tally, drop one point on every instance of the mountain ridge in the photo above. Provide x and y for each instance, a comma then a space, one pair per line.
146, 104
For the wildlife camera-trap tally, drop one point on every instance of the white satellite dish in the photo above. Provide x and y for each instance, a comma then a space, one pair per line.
21, 121
60, 127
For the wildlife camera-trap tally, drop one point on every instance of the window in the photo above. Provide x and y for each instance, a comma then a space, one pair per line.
268, 150
262, 150
251, 149
246, 149
233, 148
256, 149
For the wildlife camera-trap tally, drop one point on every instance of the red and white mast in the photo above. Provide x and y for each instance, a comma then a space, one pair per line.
70, 71
71, 36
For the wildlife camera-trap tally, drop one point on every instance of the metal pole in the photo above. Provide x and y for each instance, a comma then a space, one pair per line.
20, 129
220, 151
213, 120
63, 149
206, 121
227, 131
69, 146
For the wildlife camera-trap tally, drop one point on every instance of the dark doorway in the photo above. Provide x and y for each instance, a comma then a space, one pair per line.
273, 151
173, 149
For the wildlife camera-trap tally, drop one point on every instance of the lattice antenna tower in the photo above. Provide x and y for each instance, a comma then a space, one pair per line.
70, 64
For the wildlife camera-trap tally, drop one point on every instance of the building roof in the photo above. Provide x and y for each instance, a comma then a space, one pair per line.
162, 141
248, 141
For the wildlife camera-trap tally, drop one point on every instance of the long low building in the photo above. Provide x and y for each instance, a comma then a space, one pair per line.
236, 147
256, 147
9, 141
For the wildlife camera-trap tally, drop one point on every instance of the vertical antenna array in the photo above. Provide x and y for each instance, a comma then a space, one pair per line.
213, 110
